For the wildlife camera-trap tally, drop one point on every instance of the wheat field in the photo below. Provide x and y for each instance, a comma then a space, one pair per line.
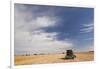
52, 58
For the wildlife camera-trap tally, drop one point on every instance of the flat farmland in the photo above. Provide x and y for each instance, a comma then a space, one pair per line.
52, 58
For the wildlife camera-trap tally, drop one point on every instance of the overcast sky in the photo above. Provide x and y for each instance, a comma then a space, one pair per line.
52, 29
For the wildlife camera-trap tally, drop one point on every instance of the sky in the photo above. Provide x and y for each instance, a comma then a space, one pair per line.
52, 29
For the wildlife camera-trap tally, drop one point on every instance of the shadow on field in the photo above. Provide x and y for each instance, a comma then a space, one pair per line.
66, 59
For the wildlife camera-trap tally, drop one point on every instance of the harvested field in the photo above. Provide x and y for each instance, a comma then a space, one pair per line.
52, 58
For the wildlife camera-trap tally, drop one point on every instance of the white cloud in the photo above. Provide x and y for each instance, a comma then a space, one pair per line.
30, 20
28, 34
44, 21
87, 28
89, 38
39, 43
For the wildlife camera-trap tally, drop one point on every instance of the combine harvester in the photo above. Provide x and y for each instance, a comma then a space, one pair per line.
69, 54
